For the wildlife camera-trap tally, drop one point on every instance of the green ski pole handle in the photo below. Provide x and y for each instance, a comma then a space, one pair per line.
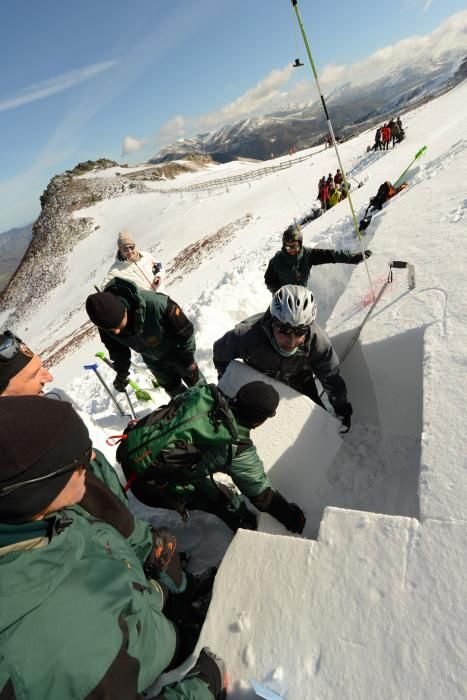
141, 395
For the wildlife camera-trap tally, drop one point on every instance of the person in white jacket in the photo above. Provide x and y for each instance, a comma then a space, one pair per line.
135, 265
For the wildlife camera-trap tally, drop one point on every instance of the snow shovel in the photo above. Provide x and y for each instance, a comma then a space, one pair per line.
93, 367
141, 395
263, 692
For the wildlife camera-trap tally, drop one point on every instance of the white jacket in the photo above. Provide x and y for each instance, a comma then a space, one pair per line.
139, 272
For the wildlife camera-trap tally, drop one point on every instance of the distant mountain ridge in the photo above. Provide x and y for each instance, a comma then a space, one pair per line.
13, 245
353, 106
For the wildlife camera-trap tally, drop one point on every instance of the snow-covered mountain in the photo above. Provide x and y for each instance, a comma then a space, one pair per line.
354, 107
375, 605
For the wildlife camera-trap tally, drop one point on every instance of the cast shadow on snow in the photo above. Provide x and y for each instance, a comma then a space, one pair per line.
377, 467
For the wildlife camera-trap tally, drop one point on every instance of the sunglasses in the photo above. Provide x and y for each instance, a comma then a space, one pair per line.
292, 246
284, 329
128, 247
80, 462
9, 346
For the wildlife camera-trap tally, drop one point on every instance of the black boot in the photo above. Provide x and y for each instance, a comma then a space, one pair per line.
211, 669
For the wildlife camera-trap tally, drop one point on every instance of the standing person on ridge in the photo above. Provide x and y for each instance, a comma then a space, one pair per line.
82, 616
285, 343
292, 264
135, 265
377, 146
150, 323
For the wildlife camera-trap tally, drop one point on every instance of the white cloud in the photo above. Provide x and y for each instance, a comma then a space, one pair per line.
427, 5
52, 86
270, 93
174, 129
264, 96
131, 144
449, 36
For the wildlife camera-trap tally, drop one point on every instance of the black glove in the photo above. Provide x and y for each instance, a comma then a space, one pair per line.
344, 412
191, 374
120, 382
358, 258
162, 552
289, 514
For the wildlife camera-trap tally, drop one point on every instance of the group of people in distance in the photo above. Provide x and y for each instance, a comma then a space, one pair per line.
332, 189
392, 131
96, 603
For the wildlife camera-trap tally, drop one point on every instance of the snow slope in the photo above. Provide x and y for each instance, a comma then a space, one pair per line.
376, 606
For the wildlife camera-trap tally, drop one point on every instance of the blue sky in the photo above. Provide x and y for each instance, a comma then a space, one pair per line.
117, 79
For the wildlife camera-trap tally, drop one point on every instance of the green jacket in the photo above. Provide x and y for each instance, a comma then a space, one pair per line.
158, 328
295, 269
241, 462
78, 617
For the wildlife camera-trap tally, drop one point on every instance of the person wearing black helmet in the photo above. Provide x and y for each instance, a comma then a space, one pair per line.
292, 264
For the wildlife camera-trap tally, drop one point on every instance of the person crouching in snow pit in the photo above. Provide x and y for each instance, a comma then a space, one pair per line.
135, 265
170, 457
82, 616
287, 344
292, 264
150, 323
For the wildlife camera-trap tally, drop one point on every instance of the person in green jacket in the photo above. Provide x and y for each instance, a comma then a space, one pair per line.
292, 264
22, 374
194, 487
80, 618
150, 323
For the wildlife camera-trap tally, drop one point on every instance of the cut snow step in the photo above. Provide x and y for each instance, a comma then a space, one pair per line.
296, 458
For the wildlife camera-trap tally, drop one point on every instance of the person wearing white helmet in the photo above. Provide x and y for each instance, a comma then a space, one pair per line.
286, 343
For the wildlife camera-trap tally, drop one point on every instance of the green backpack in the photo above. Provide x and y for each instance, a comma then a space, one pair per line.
175, 436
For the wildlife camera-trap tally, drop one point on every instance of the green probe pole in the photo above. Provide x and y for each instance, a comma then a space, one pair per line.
331, 131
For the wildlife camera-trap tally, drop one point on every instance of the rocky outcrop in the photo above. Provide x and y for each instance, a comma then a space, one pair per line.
56, 232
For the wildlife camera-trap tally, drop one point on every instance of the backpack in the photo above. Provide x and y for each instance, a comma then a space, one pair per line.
174, 437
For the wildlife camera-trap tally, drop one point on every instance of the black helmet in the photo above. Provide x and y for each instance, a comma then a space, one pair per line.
292, 234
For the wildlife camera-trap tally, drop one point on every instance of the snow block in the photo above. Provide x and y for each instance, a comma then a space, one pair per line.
296, 458
372, 609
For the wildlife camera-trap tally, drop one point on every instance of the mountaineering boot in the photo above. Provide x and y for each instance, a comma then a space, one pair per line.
199, 585
211, 669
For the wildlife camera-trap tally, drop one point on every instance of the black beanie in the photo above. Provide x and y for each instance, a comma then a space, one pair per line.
105, 310
10, 368
255, 402
37, 437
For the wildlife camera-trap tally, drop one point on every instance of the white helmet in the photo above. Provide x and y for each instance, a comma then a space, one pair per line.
293, 305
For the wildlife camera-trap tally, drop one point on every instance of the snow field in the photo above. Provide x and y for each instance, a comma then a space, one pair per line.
376, 606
